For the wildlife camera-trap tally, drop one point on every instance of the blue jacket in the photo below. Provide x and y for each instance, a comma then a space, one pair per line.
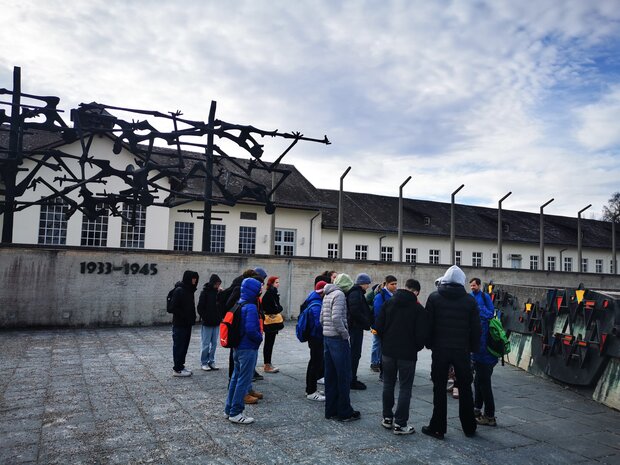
487, 310
251, 334
315, 302
382, 297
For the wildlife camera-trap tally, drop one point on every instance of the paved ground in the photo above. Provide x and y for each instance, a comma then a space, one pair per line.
106, 396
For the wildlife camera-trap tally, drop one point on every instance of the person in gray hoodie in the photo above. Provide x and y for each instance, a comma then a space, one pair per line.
337, 351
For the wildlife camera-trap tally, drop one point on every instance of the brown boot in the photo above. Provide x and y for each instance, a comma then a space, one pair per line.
258, 395
248, 399
269, 368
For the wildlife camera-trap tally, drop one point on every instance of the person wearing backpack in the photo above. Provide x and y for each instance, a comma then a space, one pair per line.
211, 316
183, 312
246, 353
483, 361
316, 366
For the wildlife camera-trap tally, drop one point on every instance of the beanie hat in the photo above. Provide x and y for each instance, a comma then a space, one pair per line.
363, 278
454, 275
344, 282
319, 286
261, 272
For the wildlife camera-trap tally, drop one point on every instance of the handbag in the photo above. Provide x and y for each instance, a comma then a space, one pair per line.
274, 319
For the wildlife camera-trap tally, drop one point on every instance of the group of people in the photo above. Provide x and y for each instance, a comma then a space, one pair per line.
453, 324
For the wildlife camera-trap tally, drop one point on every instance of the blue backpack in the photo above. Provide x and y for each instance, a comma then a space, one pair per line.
303, 328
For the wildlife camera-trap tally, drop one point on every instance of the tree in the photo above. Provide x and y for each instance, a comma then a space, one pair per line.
611, 212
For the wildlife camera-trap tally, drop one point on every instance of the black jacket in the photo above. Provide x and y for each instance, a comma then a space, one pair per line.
183, 305
454, 322
401, 325
358, 311
271, 301
209, 311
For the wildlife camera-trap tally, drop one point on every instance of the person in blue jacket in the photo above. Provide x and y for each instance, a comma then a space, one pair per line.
385, 292
316, 365
483, 361
246, 353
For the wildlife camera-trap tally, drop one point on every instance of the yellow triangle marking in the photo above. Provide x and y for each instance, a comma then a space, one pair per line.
528, 307
580, 293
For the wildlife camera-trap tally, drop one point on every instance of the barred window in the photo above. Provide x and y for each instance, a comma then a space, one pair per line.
433, 256
218, 237
132, 235
95, 232
411, 255
476, 259
183, 236
284, 242
361, 252
247, 239
53, 222
332, 250
387, 254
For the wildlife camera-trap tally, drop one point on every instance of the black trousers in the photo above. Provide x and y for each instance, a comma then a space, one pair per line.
357, 338
441, 360
270, 339
483, 390
316, 366
181, 336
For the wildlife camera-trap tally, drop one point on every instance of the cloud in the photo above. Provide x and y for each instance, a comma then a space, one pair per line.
599, 122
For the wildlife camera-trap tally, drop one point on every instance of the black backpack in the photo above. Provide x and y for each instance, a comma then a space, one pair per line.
169, 308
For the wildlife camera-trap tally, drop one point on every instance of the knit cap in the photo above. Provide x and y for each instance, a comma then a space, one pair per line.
261, 272
363, 278
319, 286
344, 282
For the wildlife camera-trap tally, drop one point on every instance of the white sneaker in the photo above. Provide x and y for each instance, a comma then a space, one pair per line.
320, 381
241, 419
206, 368
316, 396
182, 373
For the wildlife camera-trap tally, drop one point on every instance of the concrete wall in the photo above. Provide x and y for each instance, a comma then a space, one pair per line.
52, 286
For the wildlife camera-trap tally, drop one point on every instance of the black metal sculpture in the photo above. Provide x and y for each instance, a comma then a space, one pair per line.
213, 166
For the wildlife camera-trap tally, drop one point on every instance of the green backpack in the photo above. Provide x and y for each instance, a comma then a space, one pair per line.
498, 344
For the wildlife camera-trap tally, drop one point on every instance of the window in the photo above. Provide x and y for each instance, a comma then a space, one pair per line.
551, 263
361, 252
515, 261
568, 263
433, 256
218, 237
476, 259
458, 257
533, 262
95, 232
247, 239
284, 243
387, 254
495, 260
248, 215
53, 223
332, 250
132, 235
599, 265
411, 255
183, 236
584, 265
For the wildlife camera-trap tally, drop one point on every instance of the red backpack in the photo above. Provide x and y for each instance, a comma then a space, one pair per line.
230, 327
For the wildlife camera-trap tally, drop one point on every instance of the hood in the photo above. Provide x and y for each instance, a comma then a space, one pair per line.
330, 288
454, 275
344, 282
213, 280
314, 295
250, 288
187, 278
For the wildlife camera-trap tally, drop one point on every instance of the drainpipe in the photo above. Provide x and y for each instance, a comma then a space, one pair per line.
311, 229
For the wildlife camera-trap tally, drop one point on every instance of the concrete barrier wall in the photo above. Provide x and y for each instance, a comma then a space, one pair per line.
74, 286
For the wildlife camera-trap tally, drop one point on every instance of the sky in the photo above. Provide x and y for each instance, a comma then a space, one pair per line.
502, 96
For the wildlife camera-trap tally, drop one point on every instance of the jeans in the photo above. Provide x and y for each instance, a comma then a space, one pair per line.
375, 354
209, 337
316, 366
241, 381
270, 339
357, 338
483, 392
337, 377
180, 342
441, 360
405, 370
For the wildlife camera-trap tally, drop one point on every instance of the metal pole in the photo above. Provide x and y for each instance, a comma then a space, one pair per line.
400, 219
340, 212
500, 230
208, 188
613, 243
14, 148
452, 239
272, 244
542, 234
579, 267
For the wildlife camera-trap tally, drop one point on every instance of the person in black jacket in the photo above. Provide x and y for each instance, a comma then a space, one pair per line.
211, 316
454, 332
359, 318
183, 318
273, 321
401, 326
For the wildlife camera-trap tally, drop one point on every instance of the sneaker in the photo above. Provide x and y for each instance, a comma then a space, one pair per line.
486, 421
258, 395
213, 367
354, 416
455, 393
357, 385
182, 373
316, 396
248, 399
450, 385
477, 412
387, 423
257, 377
434, 434
320, 381
241, 419
269, 368
403, 429
206, 368
375, 367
